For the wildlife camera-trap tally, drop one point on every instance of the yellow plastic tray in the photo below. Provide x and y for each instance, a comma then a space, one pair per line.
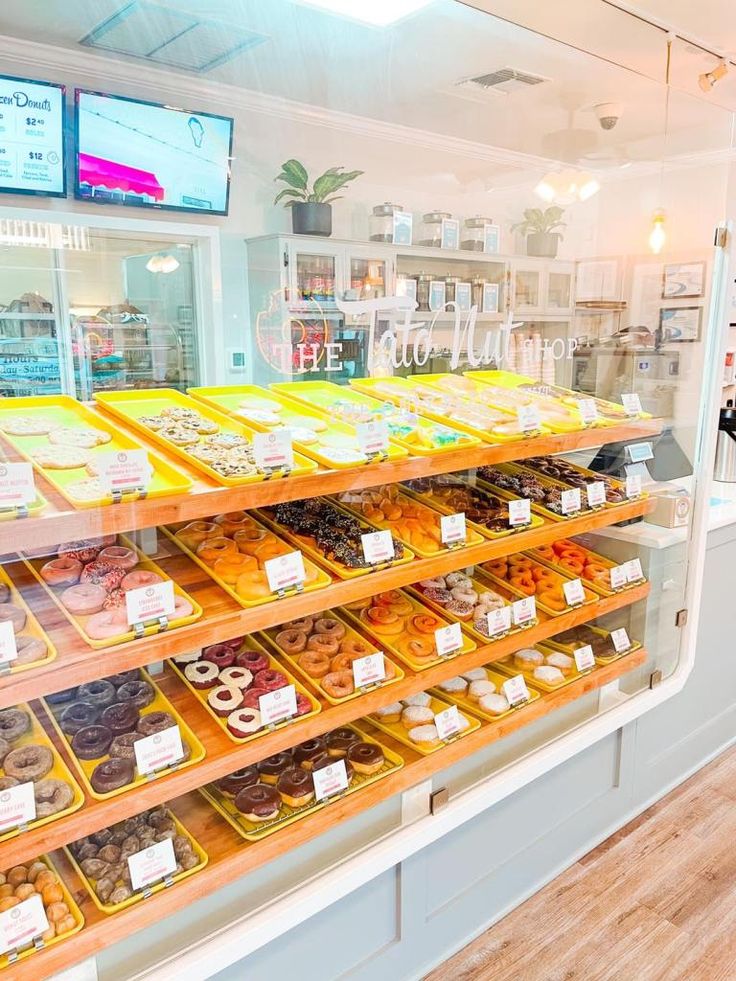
467, 625
306, 546
321, 579
70, 413
570, 648
396, 644
472, 708
85, 767
546, 482
59, 771
73, 909
590, 596
224, 805
90, 884
227, 399
321, 396
78, 622
251, 644
129, 406
269, 638
556, 416
400, 734
589, 475
32, 628
595, 586
609, 413
431, 517
508, 668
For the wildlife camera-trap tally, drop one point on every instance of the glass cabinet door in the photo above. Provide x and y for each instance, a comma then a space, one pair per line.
559, 290
367, 278
315, 278
527, 289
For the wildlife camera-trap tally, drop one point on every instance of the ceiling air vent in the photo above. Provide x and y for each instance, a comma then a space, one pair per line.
503, 81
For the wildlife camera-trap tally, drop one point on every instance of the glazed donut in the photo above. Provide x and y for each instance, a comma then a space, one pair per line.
355, 647
126, 558
52, 796
112, 774
422, 624
258, 803
140, 693
14, 615
339, 684
270, 680
254, 661
324, 643
342, 662
330, 627
305, 625
84, 599
230, 567
340, 740
122, 746
139, 578
307, 751
253, 585
251, 699
120, 717
553, 599
395, 601
244, 722
295, 787
155, 722
61, 572
420, 649
92, 742
236, 677
103, 574
234, 521
271, 768
314, 663
14, 723
212, 549
382, 620
106, 624
220, 655
291, 641
28, 763
223, 700
237, 781
196, 532
249, 540
365, 757
78, 716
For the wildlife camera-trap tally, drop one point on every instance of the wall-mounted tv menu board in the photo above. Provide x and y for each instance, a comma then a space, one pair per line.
32, 137
149, 155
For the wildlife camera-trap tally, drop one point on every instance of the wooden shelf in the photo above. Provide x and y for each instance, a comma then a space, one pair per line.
224, 756
230, 857
59, 522
224, 618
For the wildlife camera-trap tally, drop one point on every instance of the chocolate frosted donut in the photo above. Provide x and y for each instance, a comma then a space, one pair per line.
155, 722
295, 786
120, 717
111, 775
259, 802
122, 746
28, 763
100, 693
308, 751
78, 716
62, 697
140, 693
239, 780
366, 757
271, 768
91, 742
340, 740
124, 677
14, 723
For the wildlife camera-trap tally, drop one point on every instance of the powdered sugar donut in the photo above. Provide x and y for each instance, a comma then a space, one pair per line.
456, 684
475, 674
421, 698
528, 658
478, 689
562, 662
424, 734
494, 704
416, 715
549, 675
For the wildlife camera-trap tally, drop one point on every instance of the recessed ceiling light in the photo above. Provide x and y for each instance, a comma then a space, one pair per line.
378, 13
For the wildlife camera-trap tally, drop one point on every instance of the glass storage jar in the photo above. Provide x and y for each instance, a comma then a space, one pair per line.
423, 281
381, 222
478, 283
474, 234
432, 228
450, 284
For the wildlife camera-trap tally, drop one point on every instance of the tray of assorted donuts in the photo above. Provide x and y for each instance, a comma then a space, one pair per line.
33, 645
27, 755
411, 721
388, 507
576, 560
62, 437
232, 549
330, 535
465, 600
88, 580
322, 649
599, 639
259, 800
544, 494
403, 626
570, 475
100, 721
523, 576
542, 665
229, 679
41, 878
480, 692
100, 859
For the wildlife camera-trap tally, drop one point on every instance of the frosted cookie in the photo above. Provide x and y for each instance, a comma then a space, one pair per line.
421, 698
528, 658
87, 490
61, 457
478, 689
302, 435
416, 715
494, 704
339, 454
28, 425
457, 684
257, 404
424, 734
549, 675
475, 674
82, 436
309, 422
261, 415
562, 662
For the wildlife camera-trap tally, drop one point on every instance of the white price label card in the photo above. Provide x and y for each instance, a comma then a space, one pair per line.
274, 450
152, 864
277, 705
330, 780
373, 437
520, 512
378, 546
124, 469
618, 576
368, 670
574, 592
452, 528
584, 658
158, 751
17, 486
633, 570
448, 723
529, 417
571, 501
633, 485
20, 924
448, 640
150, 602
620, 640
499, 621
8, 646
640, 452
515, 690
17, 806
524, 611
631, 403
596, 493
285, 571
588, 411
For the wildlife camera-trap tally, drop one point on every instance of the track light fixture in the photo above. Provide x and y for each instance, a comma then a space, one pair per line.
710, 79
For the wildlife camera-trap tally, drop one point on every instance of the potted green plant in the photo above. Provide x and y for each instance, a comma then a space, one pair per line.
311, 210
539, 227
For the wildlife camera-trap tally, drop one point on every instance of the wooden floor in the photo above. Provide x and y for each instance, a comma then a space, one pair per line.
655, 902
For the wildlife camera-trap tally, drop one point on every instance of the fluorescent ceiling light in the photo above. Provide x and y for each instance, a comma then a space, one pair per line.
378, 13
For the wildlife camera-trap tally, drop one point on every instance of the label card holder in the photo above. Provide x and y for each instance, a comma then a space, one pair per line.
17, 807
588, 411
369, 671
124, 472
618, 577
448, 723
524, 612
22, 925
516, 691
520, 512
378, 547
571, 501
574, 592
499, 622
373, 439
633, 571
147, 603
596, 493
448, 640
584, 658
529, 418
453, 531
274, 452
8, 647
17, 487
620, 640
160, 751
631, 403
154, 864
285, 572
277, 706
330, 781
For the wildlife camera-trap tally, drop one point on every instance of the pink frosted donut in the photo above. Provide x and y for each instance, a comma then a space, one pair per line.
270, 680
86, 549
141, 577
182, 607
84, 599
61, 572
109, 623
117, 555
104, 574
115, 600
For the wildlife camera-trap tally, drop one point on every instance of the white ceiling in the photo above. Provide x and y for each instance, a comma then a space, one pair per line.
711, 21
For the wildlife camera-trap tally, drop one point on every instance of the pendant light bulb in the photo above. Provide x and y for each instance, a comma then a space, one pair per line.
658, 235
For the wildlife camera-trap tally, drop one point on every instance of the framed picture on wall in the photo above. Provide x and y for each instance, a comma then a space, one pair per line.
680, 324
683, 280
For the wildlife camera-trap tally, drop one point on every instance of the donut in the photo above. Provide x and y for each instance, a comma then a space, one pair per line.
420, 649
305, 625
196, 532
230, 567
249, 540
28, 763
395, 601
112, 774
252, 698
244, 722
253, 585
440, 596
562, 662
139, 578
120, 717
236, 677
342, 662
92, 742
14, 615
6, 783
258, 803
416, 715
303, 704
421, 698
123, 677
254, 661
140, 693
295, 787
291, 641
122, 745
85, 549
155, 722
212, 549
339, 684
271, 768
52, 796
84, 599
223, 700
100, 693
528, 658
220, 655
365, 757
106, 624
554, 599
78, 716
423, 624
355, 646
61, 572
423, 734
237, 781
329, 627
495, 704
389, 714
270, 680
457, 685
182, 608
478, 689
307, 751
126, 558
340, 740
314, 663
5, 748
233, 521
324, 643
548, 675
381, 620
103, 574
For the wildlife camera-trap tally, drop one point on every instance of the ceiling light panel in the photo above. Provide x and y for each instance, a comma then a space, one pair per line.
377, 13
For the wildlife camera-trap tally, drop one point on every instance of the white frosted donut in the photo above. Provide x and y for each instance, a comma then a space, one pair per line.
223, 700
457, 684
475, 674
561, 661
458, 579
415, 715
549, 675
202, 674
243, 722
438, 583
424, 734
480, 688
236, 677
464, 594
528, 658
421, 698
494, 704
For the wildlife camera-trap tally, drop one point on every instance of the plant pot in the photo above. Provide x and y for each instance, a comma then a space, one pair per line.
311, 218
543, 244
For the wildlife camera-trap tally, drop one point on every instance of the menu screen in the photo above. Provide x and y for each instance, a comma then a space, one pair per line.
32, 137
